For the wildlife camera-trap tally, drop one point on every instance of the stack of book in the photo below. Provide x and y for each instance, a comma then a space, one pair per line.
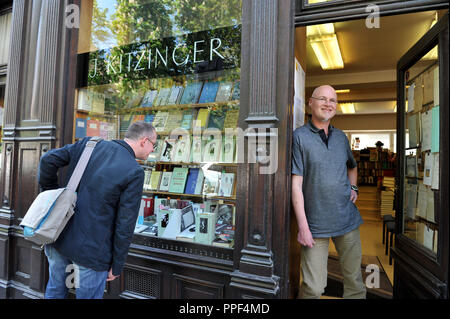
387, 196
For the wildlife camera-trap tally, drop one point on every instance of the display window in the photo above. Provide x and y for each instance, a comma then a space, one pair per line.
422, 149
176, 65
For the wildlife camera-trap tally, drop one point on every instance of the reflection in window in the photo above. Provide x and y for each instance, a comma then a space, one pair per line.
175, 64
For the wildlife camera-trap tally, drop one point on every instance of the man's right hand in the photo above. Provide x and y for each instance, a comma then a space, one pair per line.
305, 238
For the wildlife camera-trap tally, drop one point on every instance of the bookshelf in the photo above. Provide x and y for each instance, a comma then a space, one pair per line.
194, 164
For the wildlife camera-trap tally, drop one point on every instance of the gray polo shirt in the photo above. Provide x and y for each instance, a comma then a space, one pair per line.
326, 187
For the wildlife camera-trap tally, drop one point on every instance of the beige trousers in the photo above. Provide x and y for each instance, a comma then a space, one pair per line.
314, 266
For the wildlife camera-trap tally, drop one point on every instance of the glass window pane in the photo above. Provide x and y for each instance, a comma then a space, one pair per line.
420, 222
175, 64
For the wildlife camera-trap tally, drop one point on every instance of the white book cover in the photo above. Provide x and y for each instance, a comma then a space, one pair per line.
211, 182
84, 100
197, 150
205, 227
199, 183
228, 149
212, 150
165, 181
183, 149
226, 184
167, 150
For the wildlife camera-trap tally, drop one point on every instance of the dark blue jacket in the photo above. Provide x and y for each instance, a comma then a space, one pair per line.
99, 234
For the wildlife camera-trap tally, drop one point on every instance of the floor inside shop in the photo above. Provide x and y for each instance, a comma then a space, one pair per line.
371, 231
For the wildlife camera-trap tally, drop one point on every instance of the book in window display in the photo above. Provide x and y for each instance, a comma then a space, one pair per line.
224, 92
178, 180
174, 120
209, 92
202, 118
231, 119
165, 181
93, 128
125, 121
175, 95
226, 184
217, 118
147, 175
212, 150
149, 98
191, 93
168, 150
84, 99
187, 119
236, 95
159, 123
80, 128
157, 150
205, 228
197, 149
155, 180
163, 218
211, 182
162, 97
183, 149
149, 118
191, 183
228, 149
98, 102
134, 100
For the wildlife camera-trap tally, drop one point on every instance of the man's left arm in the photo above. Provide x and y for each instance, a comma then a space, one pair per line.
127, 213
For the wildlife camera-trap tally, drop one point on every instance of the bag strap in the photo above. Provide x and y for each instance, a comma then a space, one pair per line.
82, 163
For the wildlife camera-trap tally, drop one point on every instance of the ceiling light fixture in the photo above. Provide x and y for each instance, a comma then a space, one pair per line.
326, 48
343, 91
347, 108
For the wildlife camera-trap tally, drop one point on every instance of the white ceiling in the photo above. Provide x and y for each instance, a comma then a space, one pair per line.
370, 60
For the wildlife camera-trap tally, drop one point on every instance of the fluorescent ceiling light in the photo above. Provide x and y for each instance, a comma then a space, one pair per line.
347, 108
343, 91
316, 1
319, 29
327, 51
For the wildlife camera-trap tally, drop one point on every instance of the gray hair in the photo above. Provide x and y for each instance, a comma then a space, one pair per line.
139, 129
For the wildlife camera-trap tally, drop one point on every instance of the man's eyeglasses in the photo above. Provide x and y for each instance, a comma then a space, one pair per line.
324, 100
153, 144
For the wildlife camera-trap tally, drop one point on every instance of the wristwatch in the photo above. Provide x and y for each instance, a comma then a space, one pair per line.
355, 188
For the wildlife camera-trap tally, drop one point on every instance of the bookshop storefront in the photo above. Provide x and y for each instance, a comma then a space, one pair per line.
209, 210
216, 80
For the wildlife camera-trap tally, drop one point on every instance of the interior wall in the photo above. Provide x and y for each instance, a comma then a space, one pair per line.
365, 122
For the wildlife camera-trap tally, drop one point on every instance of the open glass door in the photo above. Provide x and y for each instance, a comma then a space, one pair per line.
421, 251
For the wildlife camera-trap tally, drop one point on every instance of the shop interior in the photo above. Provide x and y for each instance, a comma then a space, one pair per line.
359, 59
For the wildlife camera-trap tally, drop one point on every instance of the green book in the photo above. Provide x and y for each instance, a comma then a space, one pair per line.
178, 181
231, 119
217, 118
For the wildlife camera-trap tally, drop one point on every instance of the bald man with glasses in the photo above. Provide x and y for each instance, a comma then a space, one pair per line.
324, 192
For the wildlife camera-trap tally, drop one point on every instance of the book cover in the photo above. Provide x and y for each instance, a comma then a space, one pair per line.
197, 149
93, 128
209, 92
147, 175
229, 243
165, 181
192, 180
191, 93
202, 118
231, 118
163, 219
149, 97
149, 118
178, 181
224, 92
168, 149
211, 182
217, 118
148, 206
228, 149
160, 120
212, 150
226, 215
125, 121
226, 184
175, 95
188, 117
157, 150
154, 180
134, 100
182, 149
162, 97
98, 102
84, 100
236, 95
174, 120
137, 118
205, 228
199, 182
80, 128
